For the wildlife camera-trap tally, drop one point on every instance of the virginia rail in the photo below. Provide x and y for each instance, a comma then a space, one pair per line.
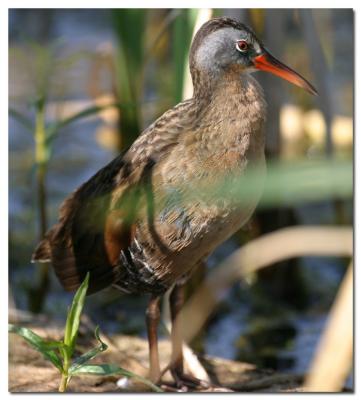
128, 226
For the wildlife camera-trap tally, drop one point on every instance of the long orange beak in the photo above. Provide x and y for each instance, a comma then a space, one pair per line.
266, 62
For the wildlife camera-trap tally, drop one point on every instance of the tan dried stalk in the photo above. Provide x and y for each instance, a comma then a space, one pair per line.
334, 356
260, 253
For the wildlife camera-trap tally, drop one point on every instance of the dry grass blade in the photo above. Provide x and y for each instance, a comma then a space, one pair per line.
334, 357
190, 359
285, 243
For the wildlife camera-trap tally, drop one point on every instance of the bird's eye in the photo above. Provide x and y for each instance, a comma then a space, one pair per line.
242, 46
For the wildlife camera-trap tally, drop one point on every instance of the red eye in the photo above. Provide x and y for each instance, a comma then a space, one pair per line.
242, 45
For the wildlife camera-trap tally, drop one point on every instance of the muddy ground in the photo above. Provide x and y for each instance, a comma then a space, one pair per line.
30, 372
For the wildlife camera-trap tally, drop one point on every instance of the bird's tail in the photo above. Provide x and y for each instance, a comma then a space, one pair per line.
42, 252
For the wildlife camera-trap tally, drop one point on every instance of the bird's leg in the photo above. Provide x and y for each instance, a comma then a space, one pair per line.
152, 321
176, 301
182, 380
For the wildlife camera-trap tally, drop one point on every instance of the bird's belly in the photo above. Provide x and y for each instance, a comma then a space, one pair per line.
190, 225
211, 224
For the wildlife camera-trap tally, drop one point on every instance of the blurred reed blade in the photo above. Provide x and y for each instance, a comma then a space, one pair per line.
285, 184
197, 18
334, 356
167, 21
182, 34
292, 183
21, 118
321, 70
260, 253
37, 295
44, 72
129, 28
53, 129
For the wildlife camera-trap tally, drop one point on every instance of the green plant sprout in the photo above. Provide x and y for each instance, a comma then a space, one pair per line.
60, 353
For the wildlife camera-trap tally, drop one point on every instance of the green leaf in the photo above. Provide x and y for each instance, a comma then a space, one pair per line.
24, 121
54, 345
108, 369
286, 183
53, 128
129, 30
46, 348
182, 35
88, 355
73, 319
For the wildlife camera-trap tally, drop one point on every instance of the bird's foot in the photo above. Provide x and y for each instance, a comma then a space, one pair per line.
184, 383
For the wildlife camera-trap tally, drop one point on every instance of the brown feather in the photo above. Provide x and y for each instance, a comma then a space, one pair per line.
42, 252
118, 235
77, 243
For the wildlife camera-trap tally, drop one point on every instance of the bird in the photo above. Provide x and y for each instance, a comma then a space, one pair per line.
142, 224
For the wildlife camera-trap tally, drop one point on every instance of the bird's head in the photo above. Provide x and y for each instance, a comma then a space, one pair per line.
223, 44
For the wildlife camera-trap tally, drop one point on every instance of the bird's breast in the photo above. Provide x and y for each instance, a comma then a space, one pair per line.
200, 191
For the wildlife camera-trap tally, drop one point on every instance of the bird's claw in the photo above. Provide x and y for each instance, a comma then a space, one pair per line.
184, 383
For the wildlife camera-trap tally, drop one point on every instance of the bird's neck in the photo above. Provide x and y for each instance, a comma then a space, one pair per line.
235, 95
231, 120
208, 83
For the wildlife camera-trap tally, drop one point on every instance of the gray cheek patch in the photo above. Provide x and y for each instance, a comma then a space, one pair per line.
217, 48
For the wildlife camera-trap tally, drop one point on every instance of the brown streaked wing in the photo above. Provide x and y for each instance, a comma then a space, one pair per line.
77, 242
96, 221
